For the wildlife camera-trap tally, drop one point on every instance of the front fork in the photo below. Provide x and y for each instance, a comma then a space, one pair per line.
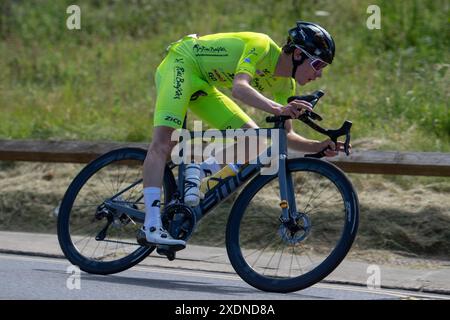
287, 192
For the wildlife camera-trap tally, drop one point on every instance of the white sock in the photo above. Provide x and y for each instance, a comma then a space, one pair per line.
152, 212
209, 164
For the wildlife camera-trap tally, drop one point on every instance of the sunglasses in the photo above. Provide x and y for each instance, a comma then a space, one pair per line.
316, 63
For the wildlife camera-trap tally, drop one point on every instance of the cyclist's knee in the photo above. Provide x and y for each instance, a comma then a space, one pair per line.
162, 143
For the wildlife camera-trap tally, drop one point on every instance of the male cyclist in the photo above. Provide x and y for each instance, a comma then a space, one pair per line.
248, 63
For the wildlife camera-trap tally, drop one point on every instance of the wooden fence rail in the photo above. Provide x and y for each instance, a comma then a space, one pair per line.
361, 161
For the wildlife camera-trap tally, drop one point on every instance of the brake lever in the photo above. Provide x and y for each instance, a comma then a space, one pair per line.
343, 130
332, 134
308, 117
312, 99
312, 115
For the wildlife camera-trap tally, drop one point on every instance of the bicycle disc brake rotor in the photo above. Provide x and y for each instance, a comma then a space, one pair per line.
179, 221
293, 233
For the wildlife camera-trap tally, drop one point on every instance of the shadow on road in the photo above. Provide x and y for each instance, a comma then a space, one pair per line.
183, 285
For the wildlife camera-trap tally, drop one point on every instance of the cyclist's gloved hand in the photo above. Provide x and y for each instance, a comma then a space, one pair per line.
329, 148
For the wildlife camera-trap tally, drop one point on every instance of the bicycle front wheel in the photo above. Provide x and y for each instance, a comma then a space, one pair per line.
94, 236
271, 256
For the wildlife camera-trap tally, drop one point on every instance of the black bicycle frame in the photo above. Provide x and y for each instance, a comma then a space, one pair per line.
227, 186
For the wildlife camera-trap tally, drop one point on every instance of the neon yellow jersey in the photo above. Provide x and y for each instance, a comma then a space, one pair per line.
194, 68
222, 55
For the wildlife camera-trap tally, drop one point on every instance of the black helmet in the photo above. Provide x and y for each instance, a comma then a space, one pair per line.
313, 39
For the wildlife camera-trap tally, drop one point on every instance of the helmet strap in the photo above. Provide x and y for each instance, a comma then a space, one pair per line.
296, 63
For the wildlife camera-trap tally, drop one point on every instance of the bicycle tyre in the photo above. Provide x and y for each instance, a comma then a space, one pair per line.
271, 284
63, 230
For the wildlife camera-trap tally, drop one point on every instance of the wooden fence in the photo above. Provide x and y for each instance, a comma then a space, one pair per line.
361, 161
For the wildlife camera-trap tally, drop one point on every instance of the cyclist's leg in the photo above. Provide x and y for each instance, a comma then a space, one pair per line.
157, 154
220, 112
174, 88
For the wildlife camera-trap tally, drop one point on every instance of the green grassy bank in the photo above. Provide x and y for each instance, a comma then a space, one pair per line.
97, 83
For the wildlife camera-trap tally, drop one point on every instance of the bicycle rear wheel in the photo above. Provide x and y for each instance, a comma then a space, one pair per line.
271, 256
94, 236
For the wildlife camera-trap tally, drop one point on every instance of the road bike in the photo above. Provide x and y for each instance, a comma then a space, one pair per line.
285, 232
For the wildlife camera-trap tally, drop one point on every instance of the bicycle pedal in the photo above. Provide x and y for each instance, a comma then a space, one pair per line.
174, 248
166, 251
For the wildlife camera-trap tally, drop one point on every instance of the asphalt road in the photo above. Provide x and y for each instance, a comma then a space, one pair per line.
28, 277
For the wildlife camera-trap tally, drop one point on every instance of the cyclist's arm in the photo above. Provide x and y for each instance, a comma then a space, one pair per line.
243, 91
255, 50
299, 143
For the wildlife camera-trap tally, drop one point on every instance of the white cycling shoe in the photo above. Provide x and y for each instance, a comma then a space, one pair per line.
158, 236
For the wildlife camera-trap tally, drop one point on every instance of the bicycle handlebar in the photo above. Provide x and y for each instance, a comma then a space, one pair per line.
308, 117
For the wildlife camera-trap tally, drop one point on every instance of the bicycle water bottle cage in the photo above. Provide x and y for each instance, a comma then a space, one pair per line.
308, 117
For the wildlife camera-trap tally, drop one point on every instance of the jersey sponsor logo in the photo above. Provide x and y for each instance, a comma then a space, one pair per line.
269, 81
201, 50
231, 75
252, 52
257, 84
265, 78
218, 75
173, 119
228, 75
212, 76
178, 81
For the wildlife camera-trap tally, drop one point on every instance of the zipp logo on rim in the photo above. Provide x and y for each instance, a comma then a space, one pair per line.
172, 119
